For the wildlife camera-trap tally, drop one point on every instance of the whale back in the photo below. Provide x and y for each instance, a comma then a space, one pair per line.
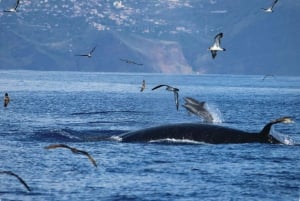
206, 133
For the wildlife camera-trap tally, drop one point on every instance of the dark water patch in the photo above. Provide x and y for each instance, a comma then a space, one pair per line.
69, 135
59, 135
15, 192
108, 112
100, 135
162, 161
123, 197
113, 122
101, 122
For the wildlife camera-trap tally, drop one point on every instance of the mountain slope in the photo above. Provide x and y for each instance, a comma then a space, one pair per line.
169, 36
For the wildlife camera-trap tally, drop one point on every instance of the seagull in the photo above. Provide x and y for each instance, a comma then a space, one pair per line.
17, 176
89, 55
143, 87
270, 9
216, 46
14, 9
74, 150
131, 62
169, 88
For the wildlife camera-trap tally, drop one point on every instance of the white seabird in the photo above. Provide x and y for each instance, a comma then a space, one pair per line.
89, 55
270, 9
14, 9
216, 46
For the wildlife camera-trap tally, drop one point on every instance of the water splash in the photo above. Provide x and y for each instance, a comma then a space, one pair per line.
215, 112
284, 139
116, 138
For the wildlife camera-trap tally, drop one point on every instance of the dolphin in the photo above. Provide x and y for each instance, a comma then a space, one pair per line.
198, 108
207, 133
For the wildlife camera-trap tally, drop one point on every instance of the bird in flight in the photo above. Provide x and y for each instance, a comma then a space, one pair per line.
13, 9
173, 89
131, 62
74, 150
143, 87
18, 177
216, 46
268, 75
89, 55
270, 9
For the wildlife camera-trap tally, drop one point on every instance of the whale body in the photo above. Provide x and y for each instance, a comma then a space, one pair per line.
207, 133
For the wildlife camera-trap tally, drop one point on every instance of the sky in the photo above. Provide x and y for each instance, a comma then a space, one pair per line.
165, 36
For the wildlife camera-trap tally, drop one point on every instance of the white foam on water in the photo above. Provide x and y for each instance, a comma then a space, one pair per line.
215, 112
285, 139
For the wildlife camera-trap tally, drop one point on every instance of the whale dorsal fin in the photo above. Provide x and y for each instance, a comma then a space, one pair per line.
266, 130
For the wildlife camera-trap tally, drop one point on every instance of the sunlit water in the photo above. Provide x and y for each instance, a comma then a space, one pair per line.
80, 109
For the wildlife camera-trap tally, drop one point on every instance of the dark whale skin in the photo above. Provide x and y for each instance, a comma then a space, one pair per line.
207, 133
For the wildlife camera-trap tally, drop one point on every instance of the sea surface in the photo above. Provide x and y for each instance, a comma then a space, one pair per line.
89, 110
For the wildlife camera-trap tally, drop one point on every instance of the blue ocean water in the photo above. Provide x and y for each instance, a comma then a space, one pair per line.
81, 109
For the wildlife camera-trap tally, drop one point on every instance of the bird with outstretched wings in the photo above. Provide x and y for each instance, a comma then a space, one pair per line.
74, 150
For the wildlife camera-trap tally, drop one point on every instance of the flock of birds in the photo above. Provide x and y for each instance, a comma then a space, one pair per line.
89, 55
191, 104
213, 49
269, 9
217, 41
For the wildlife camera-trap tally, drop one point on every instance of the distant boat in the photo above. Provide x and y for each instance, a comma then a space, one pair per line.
217, 45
